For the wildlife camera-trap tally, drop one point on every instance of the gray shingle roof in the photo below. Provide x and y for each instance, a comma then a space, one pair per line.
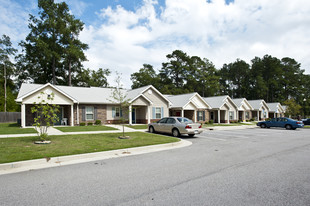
273, 107
179, 101
84, 94
217, 101
256, 104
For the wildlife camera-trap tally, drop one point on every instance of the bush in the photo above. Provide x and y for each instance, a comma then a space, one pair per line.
82, 124
211, 121
98, 122
89, 123
252, 119
239, 120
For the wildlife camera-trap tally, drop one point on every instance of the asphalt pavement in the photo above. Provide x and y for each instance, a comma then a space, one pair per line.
221, 167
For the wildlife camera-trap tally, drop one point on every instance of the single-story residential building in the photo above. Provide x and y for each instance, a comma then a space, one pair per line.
223, 109
191, 105
244, 109
275, 110
260, 109
87, 104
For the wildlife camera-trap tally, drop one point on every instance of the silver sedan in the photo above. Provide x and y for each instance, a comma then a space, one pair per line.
176, 126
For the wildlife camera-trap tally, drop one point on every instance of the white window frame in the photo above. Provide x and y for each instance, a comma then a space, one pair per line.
200, 116
231, 114
247, 115
118, 112
89, 112
158, 112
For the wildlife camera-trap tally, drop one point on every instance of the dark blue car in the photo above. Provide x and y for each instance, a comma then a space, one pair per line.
284, 122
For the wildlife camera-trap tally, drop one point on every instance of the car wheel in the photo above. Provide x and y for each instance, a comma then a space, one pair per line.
175, 133
191, 135
263, 126
288, 126
151, 130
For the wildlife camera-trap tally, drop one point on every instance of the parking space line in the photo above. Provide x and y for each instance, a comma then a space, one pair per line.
215, 138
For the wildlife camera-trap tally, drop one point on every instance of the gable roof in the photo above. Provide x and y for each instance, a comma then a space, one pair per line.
218, 101
257, 104
241, 101
275, 107
92, 95
182, 100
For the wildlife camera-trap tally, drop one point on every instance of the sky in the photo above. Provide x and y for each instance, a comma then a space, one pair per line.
125, 34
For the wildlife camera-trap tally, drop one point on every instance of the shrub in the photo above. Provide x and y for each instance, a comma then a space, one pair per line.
206, 122
252, 119
211, 121
98, 122
89, 123
239, 120
82, 124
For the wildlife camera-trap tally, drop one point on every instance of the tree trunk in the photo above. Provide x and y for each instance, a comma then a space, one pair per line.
69, 72
54, 75
4, 88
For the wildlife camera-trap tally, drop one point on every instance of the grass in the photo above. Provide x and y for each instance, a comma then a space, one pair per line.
14, 128
143, 126
85, 128
307, 126
23, 148
228, 125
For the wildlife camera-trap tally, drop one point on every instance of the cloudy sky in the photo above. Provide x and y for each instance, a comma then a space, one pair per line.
124, 34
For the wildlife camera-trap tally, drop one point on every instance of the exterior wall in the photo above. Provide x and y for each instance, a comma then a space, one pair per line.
101, 113
158, 101
140, 102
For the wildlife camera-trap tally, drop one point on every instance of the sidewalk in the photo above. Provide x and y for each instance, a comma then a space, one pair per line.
231, 127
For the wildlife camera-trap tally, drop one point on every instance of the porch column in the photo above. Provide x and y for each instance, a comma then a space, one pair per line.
218, 116
72, 115
227, 116
195, 116
23, 116
130, 115
148, 115
77, 114
243, 115
182, 113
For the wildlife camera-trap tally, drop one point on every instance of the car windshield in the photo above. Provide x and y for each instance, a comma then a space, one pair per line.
185, 120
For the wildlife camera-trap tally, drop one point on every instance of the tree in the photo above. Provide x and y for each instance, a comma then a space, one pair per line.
52, 44
46, 114
6, 50
91, 78
292, 108
119, 97
145, 76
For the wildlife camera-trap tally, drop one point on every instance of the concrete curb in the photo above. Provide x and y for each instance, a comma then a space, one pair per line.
21, 166
231, 127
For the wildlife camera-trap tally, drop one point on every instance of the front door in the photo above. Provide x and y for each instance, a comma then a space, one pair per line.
133, 115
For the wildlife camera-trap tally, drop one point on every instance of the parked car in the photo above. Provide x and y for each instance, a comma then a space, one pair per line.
281, 122
176, 126
306, 121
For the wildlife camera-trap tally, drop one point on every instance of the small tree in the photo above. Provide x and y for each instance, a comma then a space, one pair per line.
293, 109
46, 114
119, 97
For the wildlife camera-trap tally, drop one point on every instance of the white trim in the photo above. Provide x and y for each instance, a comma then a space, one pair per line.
151, 86
72, 115
141, 95
93, 113
23, 115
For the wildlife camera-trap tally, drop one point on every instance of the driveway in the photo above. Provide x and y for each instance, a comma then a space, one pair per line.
236, 167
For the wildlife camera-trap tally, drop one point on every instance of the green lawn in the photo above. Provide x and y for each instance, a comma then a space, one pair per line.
144, 126
23, 148
13, 128
307, 126
85, 128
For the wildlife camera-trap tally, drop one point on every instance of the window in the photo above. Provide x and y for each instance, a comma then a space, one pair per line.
231, 115
116, 112
185, 120
162, 121
170, 121
200, 116
158, 113
89, 113
247, 115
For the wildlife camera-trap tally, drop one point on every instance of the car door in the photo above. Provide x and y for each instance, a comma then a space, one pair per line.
161, 124
169, 125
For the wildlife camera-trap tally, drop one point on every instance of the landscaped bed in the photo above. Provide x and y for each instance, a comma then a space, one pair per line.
23, 148
13, 128
141, 126
85, 128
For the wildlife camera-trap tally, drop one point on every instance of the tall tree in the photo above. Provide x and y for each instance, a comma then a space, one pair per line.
145, 76
91, 78
7, 69
52, 44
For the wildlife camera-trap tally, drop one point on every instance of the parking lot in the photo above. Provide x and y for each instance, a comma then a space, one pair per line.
221, 167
